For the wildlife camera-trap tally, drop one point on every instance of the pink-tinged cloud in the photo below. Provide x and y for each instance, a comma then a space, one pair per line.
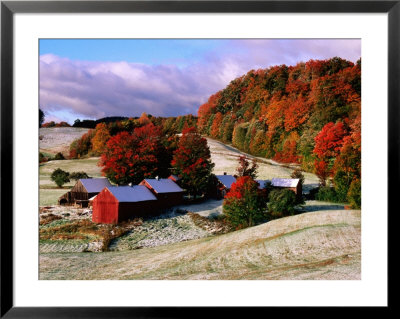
98, 89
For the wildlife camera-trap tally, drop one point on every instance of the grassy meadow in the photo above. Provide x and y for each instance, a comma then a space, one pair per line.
49, 192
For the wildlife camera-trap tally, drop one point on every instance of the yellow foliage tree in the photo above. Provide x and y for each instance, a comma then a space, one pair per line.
100, 139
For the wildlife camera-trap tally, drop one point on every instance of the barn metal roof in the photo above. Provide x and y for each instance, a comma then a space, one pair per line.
226, 180
285, 182
129, 194
176, 177
164, 185
95, 185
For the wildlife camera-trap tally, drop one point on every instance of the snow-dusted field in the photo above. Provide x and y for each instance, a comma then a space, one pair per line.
319, 245
210, 207
57, 139
225, 158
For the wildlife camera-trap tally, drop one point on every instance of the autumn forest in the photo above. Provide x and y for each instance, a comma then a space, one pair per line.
308, 114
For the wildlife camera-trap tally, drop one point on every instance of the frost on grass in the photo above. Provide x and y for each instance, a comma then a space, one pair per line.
160, 231
172, 227
57, 139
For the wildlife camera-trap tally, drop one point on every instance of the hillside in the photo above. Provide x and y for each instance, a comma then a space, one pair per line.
309, 114
317, 245
58, 139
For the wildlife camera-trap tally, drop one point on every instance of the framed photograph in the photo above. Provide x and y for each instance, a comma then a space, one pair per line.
163, 155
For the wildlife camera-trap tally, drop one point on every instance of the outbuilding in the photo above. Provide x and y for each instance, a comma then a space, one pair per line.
168, 193
118, 203
84, 189
224, 184
289, 183
174, 178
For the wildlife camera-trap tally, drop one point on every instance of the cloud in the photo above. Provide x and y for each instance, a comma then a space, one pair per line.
97, 89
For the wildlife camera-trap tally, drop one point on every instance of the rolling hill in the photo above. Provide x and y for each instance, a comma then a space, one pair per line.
316, 245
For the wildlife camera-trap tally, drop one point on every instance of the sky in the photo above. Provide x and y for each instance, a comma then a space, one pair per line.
95, 78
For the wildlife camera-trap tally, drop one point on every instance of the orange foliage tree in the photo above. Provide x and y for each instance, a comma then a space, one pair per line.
215, 127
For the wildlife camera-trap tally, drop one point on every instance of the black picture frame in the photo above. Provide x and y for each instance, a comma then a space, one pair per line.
9, 8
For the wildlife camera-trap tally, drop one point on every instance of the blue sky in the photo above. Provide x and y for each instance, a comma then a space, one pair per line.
93, 78
146, 51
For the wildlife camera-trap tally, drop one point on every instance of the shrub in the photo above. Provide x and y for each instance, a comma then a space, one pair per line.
42, 158
326, 193
281, 203
313, 193
342, 186
244, 205
60, 177
354, 194
59, 156
78, 175
49, 124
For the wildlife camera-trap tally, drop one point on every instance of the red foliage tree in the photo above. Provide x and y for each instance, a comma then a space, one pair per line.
192, 162
129, 158
244, 204
329, 140
328, 144
321, 170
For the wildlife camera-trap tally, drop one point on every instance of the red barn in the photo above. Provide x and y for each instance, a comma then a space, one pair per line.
118, 203
168, 193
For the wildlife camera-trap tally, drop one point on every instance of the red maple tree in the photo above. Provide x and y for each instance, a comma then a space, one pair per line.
129, 158
329, 140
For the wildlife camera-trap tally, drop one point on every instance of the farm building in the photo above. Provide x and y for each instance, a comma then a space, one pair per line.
174, 178
289, 183
224, 183
168, 193
118, 203
84, 189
